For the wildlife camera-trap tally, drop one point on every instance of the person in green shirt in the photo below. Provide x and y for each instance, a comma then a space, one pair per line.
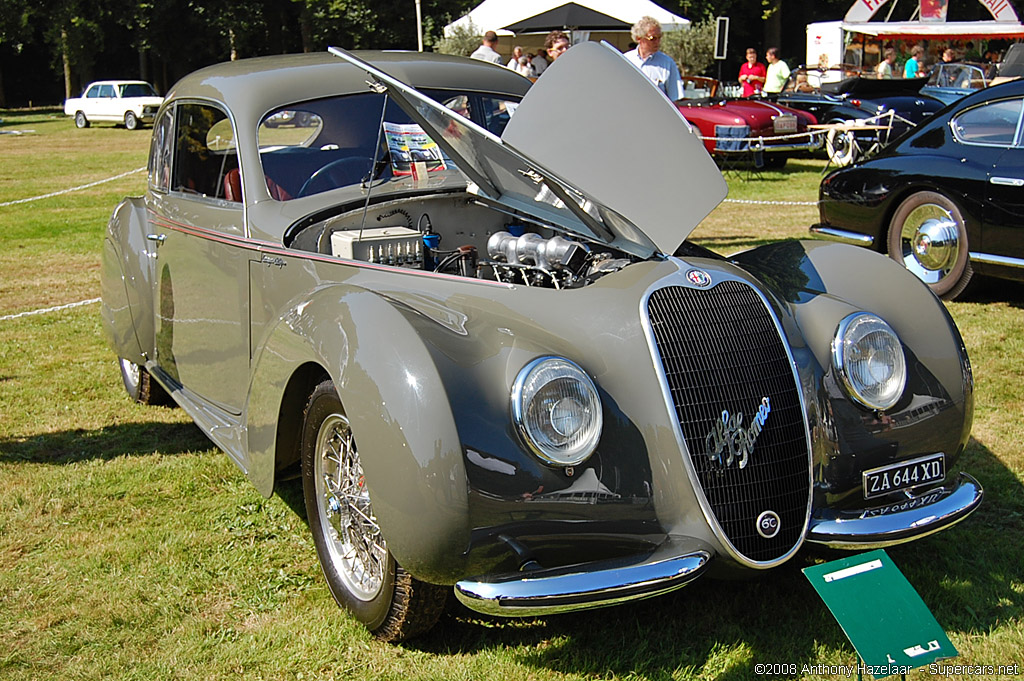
778, 71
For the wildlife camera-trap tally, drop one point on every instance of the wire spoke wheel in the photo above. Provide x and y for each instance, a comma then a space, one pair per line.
363, 576
356, 545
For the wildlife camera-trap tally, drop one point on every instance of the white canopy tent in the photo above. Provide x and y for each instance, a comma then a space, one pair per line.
494, 15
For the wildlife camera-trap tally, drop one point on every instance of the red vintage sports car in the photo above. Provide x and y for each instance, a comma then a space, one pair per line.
747, 129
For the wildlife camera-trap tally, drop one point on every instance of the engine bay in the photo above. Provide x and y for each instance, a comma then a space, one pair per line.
462, 235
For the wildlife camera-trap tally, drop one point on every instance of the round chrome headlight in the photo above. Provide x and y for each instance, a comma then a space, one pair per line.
867, 354
557, 410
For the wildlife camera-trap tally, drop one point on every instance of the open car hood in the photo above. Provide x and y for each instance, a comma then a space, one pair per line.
593, 149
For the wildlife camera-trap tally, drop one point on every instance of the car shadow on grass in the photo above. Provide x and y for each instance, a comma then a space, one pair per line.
126, 439
723, 628
985, 290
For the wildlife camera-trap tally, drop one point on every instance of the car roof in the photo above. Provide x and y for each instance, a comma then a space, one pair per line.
118, 82
251, 87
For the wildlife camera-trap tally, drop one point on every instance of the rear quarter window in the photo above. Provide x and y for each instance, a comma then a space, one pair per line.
995, 124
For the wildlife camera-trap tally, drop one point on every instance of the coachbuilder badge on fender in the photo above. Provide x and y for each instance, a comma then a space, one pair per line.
729, 442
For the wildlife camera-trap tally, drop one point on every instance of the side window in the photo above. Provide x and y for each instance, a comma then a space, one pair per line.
93, 92
106, 91
205, 158
160, 155
492, 113
995, 124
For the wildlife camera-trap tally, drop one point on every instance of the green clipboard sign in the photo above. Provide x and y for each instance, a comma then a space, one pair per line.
885, 619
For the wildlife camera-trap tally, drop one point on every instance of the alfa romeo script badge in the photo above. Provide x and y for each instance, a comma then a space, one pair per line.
768, 524
699, 278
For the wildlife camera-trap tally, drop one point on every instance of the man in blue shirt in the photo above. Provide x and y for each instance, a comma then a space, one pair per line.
912, 69
654, 63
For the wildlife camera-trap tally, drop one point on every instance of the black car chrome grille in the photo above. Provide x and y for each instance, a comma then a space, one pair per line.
722, 352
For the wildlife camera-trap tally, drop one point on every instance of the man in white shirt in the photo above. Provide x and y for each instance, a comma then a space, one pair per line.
486, 52
654, 63
778, 71
517, 54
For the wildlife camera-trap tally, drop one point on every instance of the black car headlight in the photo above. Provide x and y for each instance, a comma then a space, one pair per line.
557, 410
868, 356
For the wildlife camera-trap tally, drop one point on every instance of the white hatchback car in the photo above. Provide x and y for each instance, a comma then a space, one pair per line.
131, 102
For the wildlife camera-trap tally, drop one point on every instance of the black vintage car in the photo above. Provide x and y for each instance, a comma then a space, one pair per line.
947, 200
838, 95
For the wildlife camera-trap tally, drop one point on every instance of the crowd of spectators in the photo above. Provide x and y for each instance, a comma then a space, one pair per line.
754, 77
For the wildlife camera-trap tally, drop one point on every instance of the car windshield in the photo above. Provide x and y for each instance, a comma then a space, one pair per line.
960, 76
317, 146
138, 90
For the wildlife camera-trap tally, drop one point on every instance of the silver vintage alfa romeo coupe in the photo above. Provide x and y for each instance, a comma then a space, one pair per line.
466, 308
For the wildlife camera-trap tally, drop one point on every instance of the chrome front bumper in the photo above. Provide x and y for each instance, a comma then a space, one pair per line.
894, 523
675, 563
764, 145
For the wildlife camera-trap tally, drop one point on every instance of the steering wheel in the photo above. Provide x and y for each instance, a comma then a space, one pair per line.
338, 173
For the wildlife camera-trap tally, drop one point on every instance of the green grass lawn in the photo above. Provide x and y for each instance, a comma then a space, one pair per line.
131, 548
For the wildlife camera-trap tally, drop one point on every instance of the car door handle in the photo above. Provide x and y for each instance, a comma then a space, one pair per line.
1007, 181
159, 238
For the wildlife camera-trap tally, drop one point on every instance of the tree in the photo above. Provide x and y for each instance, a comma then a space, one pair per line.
14, 18
692, 49
462, 40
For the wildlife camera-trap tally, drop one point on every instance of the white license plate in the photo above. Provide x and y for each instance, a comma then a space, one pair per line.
903, 475
785, 123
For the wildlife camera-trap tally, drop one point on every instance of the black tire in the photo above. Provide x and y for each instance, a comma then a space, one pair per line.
140, 386
928, 236
361, 573
81, 121
130, 120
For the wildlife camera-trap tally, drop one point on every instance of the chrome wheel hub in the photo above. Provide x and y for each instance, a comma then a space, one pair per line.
132, 373
930, 242
353, 536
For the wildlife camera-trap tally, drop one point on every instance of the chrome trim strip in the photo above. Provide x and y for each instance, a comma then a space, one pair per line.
269, 247
888, 525
674, 564
718, 277
997, 259
842, 235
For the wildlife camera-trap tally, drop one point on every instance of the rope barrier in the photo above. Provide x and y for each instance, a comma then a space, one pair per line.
762, 138
72, 189
772, 203
68, 306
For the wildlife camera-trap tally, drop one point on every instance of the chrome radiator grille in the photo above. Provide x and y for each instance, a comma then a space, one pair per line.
724, 359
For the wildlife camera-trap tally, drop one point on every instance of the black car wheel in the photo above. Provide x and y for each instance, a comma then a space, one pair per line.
140, 386
81, 121
130, 120
927, 235
360, 571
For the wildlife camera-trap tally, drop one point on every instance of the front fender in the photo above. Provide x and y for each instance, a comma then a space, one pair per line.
399, 411
126, 282
819, 283
824, 281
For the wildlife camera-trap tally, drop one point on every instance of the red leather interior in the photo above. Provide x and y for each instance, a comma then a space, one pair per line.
233, 187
